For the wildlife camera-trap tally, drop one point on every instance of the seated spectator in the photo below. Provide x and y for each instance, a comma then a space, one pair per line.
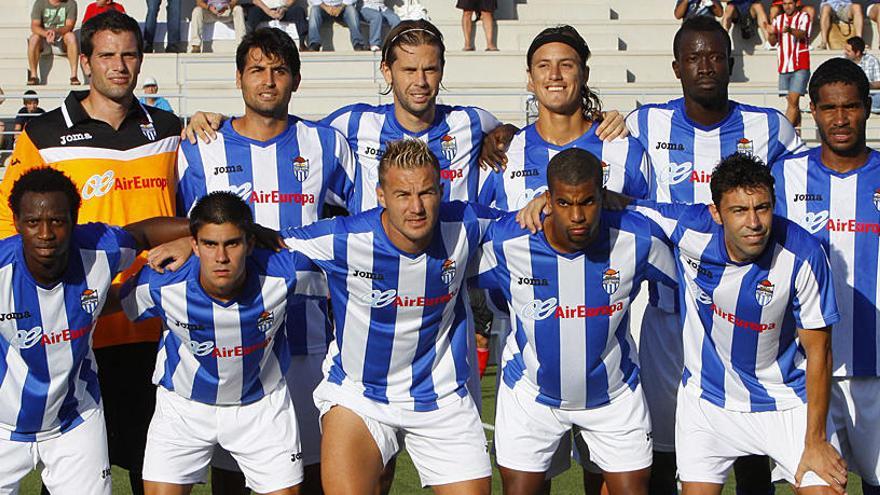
791, 34
746, 13
776, 9
52, 24
151, 87
172, 16
30, 110
374, 12
225, 11
685, 9
278, 10
872, 12
325, 10
101, 6
485, 12
855, 51
839, 10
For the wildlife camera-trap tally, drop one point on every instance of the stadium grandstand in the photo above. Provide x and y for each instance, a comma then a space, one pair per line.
631, 41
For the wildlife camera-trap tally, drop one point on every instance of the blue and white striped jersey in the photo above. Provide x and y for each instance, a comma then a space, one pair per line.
455, 139
401, 320
741, 348
843, 212
223, 353
682, 154
571, 346
529, 154
286, 181
48, 375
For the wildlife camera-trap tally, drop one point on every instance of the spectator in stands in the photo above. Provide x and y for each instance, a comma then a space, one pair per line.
30, 110
776, 9
172, 15
6, 140
872, 12
685, 9
842, 10
151, 87
484, 11
278, 10
374, 13
325, 10
855, 51
225, 11
52, 24
791, 34
101, 6
750, 16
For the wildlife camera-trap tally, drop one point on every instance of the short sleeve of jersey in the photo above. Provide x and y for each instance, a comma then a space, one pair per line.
665, 216
482, 269
340, 187
315, 241
814, 304
116, 243
191, 180
635, 131
636, 183
308, 278
661, 261
136, 296
787, 143
488, 122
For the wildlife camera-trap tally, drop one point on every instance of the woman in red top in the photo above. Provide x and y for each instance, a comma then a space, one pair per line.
101, 6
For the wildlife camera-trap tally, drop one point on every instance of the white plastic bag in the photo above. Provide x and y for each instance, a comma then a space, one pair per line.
411, 10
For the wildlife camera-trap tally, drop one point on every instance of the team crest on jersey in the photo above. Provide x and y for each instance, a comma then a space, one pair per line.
265, 321
448, 146
301, 168
448, 271
148, 131
89, 300
606, 171
877, 199
744, 146
611, 280
764, 292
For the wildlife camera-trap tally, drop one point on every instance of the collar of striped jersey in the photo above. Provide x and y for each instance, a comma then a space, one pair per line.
74, 113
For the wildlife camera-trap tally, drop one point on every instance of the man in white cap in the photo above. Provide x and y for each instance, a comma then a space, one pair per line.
151, 87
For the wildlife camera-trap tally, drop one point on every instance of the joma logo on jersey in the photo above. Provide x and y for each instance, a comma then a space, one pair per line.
79, 136
448, 147
808, 197
370, 151
369, 275
189, 326
696, 265
529, 172
89, 300
764, 292
744, 146
14, 316
669, 146
228, 169
26, 339
447, 273
611, 280
301, 168
532, 281
265, 321
451, 174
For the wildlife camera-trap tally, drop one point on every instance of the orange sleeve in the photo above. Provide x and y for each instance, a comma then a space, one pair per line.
24, 157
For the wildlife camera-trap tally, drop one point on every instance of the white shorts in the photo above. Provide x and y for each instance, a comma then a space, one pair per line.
446, 445
661, 361
302, 377
73, 463
528, 433
710, 438
261, 436
855, 412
